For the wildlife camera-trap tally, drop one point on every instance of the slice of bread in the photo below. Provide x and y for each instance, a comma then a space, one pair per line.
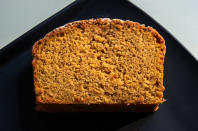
99, 65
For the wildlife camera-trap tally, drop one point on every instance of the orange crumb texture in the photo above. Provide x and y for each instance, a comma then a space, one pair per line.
99, 61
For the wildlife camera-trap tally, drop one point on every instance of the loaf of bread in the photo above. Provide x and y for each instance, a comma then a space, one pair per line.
99, 65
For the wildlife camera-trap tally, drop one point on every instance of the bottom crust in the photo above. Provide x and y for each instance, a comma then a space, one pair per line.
97, 108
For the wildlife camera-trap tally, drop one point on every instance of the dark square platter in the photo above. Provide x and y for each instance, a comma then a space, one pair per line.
17, 98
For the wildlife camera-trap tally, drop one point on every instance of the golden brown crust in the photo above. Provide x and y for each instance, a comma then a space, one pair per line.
96, 108
43, 106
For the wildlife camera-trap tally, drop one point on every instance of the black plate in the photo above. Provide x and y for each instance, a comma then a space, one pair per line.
17, 98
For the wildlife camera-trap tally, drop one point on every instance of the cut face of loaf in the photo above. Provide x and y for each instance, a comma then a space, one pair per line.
99, 65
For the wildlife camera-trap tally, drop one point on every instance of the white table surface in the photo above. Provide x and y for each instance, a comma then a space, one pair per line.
179, 17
